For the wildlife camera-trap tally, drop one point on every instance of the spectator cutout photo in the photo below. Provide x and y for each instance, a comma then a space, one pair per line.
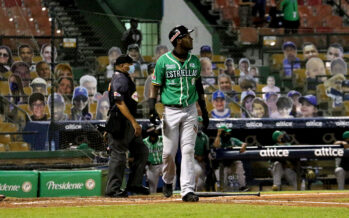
59, 107
259, 108
37, 107
46, 53
219, 109
103, 107
39, 85
309, 106
80, 110
43, 70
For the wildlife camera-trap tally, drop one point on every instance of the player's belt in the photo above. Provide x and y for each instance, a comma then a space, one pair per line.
174, 105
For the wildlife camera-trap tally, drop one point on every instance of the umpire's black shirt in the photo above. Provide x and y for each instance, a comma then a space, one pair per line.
122, 88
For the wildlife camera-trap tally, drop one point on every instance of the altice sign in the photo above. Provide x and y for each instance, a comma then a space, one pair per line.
20, 184
70, 183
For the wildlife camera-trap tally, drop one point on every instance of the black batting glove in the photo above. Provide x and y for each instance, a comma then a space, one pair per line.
204, 112
153, 114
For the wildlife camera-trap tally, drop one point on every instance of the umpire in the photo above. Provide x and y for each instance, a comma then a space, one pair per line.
124, 133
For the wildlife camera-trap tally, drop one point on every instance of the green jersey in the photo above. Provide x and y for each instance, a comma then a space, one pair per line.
201, 144
290, 10
177, 80
155, 150
233, 142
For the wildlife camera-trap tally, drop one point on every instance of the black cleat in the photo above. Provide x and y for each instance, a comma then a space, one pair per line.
190, 197
167, 190
118, 194
141, 190
2, 197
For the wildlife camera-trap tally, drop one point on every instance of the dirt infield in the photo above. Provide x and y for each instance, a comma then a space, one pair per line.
334, 199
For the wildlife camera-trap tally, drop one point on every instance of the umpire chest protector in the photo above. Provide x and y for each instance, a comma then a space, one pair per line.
121, 88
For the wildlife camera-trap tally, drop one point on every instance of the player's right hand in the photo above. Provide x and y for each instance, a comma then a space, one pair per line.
154, 117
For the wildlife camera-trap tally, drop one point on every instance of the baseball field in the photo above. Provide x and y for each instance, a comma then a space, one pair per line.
269, 204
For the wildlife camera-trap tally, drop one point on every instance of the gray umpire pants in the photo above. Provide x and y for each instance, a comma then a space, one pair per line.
117, 162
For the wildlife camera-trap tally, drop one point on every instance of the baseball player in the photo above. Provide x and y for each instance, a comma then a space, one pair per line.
154, 167
202, 148
342, 170
177, 76
282, 168
225, 140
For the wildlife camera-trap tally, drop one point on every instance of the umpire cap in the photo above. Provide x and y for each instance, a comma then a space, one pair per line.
178, 32
122, 59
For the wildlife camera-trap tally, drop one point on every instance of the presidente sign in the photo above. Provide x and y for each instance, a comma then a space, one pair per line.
19, 183
70, 183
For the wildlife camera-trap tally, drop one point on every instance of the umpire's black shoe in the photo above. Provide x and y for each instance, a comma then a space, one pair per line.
118, 194
167, 190
141, 190
190, 197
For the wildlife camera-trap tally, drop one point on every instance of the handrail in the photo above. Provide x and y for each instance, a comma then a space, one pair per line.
18, 108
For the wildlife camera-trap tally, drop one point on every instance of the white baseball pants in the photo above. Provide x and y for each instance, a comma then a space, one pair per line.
153, 174
278, 172
179, 129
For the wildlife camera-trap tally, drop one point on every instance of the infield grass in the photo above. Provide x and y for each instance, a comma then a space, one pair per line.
178, 210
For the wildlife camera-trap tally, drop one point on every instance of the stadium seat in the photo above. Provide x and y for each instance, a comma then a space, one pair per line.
4, 88
19, 146
322, 10
314, 2
304, 11
313, 22
93, 107
218, 58
148, 58
32, 3
68, 108
28, 90
237, 88
103, 62
346, 107
235, 110
33, 75
5, 139
333, 21
248, 35
140, 92
219, 4
321, 94
271, 31
8, 127
276, 61
25, 107
299, 78
3, 148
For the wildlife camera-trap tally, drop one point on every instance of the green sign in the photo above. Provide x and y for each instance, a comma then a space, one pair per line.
70, 183
23, 184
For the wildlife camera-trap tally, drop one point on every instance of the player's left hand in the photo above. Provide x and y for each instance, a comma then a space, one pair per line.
205, 118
